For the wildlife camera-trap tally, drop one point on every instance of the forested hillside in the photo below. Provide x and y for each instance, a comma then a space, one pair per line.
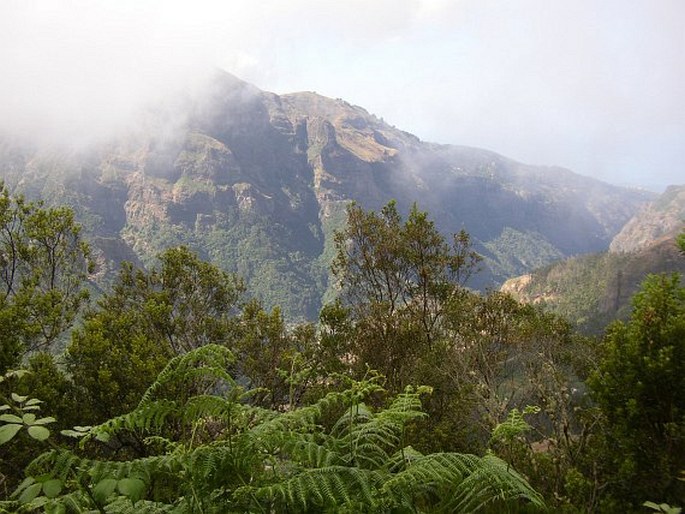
591, 290
178, 392
257, 183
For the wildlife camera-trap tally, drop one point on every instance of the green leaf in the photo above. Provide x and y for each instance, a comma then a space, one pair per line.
7, 432
104, 489
133, 488
29, 418
33, 401
52, 488
39, 433
10, 418
44, 421
102, 436
30, 493
55, 508
19, 399
18, 373
39, 502
4, 407
30, 407
72, 433
24, 484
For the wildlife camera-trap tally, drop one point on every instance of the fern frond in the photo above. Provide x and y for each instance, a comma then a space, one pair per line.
210, 360
220, 465
149, 416
315, 489
358, 413
123, 505
311, 454
493, 482
453, 482
405, 407
430, 477
58, 463
206, 406
9, 507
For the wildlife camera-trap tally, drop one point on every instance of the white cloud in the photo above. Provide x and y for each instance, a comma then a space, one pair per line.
579, 83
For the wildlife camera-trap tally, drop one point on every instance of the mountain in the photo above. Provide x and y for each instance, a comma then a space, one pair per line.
661, 219
258, 182
594, 289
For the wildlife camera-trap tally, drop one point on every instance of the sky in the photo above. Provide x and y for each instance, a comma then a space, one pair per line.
596, 86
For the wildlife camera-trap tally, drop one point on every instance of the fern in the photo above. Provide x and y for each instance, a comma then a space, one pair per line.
216, 454
207, 362
452, 482
493, 482
147, 417
315, 489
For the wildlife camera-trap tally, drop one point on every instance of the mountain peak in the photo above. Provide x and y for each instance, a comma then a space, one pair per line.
258, 182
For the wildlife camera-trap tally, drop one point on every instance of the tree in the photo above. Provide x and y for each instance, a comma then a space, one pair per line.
273, 359
639, 387
44, 265
397, 278
147, 318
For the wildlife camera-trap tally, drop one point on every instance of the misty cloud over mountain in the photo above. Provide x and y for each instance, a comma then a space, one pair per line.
258, 182
595, 87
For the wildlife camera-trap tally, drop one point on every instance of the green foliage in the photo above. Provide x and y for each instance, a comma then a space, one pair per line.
19, 412
592, 290
43, 266
517, 252
149, 317
270, 356
204, 403
514, 426
213, 453
398, 277
664, 508
407, 314
639, 385
583, 289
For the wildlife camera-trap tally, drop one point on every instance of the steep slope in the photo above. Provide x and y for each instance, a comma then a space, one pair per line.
661, 219
594, 289
258, 182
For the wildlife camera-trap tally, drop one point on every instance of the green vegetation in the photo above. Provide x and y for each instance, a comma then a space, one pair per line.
43, 267
177, 392
515, 252
579, 289
592, 290
639, 386
212, 452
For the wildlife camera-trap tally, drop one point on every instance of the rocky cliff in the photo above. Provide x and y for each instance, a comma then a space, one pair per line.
659, 220
258, 182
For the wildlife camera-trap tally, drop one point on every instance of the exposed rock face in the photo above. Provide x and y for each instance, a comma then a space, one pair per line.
656, 221
258, 182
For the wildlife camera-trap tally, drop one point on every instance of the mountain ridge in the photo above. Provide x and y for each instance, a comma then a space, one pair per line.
258, 182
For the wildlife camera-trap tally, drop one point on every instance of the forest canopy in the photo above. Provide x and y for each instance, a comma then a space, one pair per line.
173, 391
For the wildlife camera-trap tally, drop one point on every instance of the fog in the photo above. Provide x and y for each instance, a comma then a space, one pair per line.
595, 86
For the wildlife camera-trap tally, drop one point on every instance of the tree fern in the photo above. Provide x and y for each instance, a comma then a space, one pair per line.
315, 489
212, 453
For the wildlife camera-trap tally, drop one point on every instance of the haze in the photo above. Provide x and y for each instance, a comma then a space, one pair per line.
595, 86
